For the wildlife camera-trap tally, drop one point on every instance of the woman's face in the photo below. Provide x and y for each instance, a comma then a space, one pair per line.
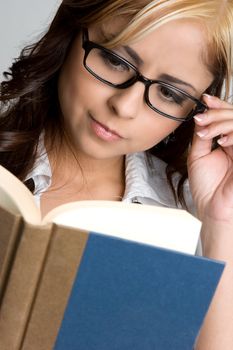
105, 122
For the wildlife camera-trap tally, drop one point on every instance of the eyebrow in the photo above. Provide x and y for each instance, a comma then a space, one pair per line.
133, 54
171, 79
164, 77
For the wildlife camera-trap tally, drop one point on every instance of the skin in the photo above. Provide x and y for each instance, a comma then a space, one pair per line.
124, 111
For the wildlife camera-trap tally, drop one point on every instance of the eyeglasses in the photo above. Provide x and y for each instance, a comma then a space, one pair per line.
115, 71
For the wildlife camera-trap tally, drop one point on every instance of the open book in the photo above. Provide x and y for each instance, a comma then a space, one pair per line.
91, 274
164, 227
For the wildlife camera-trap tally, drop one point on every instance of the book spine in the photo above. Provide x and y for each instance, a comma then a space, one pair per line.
10, 232
22, 284
59, 272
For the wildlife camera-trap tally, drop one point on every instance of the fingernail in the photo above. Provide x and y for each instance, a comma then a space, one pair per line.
208, 96
222, 140
199, 117
202, 132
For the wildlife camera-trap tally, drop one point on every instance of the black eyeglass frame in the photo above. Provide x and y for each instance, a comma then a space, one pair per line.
88, 45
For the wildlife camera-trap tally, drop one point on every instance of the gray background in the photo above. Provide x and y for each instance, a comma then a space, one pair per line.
21, 23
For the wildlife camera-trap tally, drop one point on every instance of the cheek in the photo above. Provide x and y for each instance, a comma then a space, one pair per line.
151, 133
69, 89
78, 90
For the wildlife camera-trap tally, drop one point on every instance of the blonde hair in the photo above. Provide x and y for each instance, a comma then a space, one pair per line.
145, 16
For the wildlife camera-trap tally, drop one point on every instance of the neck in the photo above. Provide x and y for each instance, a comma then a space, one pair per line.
97, 177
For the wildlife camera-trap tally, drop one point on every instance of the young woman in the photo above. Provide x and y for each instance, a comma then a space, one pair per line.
106, 104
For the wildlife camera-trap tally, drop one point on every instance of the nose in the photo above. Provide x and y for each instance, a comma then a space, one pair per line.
127, 103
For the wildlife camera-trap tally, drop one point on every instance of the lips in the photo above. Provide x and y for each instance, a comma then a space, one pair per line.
103, 132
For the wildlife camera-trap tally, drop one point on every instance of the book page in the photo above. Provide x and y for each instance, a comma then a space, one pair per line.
16, 197
163, 227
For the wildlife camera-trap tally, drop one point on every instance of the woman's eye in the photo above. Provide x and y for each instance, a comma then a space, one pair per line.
114, 62
171, 95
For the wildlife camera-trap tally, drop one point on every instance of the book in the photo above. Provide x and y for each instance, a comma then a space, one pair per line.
174, 223
127, 267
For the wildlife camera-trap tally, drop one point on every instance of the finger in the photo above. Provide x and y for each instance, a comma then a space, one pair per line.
226, 140
215, 129
200, 147
214, 115
215, 102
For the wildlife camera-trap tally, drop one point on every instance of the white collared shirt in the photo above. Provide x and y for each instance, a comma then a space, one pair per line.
145, 179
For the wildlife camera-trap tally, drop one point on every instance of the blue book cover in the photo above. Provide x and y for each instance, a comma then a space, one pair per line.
128, 295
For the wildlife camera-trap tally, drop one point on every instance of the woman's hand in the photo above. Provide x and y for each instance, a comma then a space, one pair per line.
211, 181
211, 172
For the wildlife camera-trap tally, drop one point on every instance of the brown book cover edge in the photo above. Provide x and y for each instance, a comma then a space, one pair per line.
22, 284
10, 233
63, 258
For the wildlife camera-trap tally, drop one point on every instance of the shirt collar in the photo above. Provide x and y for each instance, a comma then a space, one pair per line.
41, 173
145, 177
